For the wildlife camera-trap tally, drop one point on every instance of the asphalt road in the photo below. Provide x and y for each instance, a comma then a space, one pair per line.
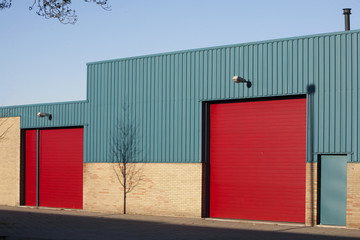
33, 223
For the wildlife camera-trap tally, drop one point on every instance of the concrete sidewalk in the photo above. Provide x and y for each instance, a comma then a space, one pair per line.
39, 223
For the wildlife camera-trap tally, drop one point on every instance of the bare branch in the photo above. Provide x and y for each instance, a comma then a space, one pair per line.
119, 174
58, 9
135, 178
103, 3
5, 4
3, 119
55, 9
3, 133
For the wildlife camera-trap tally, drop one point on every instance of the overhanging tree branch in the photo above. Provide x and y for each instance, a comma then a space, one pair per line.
55, 9
103, 3
5, 4
58, 9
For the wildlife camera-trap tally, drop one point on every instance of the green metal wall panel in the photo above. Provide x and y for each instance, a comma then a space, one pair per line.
63, 114
165, 92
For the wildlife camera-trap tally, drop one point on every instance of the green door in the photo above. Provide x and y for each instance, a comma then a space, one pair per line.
333, 190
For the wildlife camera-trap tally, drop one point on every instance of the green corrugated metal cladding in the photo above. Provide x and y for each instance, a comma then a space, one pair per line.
64, 114
164, 93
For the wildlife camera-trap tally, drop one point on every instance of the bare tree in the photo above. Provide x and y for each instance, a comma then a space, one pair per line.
125, 152
58, 9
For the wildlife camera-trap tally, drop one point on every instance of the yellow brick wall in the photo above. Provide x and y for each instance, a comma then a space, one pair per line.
353, 195
171, 189
174, 189
101, 190
10, 161
311, 194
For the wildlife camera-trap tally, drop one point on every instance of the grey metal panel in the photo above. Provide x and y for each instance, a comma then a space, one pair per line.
333, 190
165, 92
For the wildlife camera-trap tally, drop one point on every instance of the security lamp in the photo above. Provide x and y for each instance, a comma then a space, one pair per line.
238, 79
41, 115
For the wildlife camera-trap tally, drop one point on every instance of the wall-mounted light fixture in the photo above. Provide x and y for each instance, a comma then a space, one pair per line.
41, 115
238, 79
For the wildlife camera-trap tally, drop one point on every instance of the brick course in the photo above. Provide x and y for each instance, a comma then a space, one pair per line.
10, 161
311, 194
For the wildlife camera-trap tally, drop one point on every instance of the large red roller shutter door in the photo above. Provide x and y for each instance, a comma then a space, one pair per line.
257, 160
60, 168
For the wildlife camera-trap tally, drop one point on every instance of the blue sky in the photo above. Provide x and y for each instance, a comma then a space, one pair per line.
42, 60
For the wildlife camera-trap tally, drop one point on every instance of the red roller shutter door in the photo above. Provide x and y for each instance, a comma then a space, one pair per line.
30, 167
61, 168
257, 160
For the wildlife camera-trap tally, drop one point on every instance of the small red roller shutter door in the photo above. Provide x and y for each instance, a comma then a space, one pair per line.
257, 160
61, 168
30, 167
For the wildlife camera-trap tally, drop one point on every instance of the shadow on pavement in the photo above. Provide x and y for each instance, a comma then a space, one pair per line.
33, 225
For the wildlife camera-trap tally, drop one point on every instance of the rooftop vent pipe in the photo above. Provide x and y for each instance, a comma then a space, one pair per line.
347, 12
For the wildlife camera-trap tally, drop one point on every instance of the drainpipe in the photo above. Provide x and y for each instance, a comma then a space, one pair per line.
347, 12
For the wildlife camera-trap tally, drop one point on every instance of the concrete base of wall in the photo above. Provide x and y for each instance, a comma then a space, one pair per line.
10, 161
169, 189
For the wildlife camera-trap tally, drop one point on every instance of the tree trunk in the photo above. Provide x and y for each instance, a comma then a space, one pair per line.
124, 201
124, 188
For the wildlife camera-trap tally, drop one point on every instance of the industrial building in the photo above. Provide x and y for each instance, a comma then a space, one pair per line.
258, 131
